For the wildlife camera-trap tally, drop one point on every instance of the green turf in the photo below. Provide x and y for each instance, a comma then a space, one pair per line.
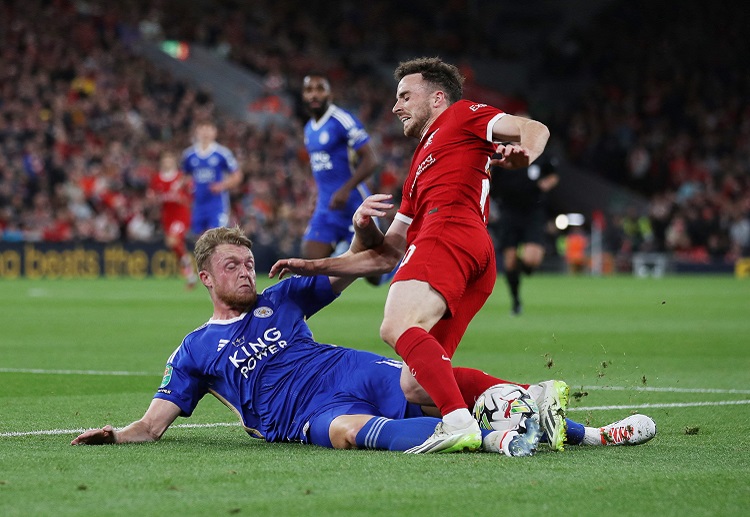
686, 332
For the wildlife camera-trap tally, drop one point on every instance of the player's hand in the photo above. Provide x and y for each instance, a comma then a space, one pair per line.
292, 266
510, 156
375, 205
216, 188
339, 199
95, 436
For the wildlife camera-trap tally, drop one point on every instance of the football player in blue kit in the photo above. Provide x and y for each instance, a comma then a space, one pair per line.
214, 171
341, 159
257, 355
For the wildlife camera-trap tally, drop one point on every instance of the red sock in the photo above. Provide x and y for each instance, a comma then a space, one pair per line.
179, 250
424, 356
473, 382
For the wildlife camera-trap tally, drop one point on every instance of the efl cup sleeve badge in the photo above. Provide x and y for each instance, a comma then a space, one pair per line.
167, 376
263, 312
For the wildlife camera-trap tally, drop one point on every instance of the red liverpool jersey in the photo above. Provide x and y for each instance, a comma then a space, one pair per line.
173, 191
450, 169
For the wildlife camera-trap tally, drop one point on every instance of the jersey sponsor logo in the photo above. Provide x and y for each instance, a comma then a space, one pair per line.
263, 312
222, 344
247, 355
204, 175
477, 107
426, 163
320, 161
167, 376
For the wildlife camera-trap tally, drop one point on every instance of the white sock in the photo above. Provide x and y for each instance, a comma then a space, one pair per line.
459, 418
592, 436
498, 441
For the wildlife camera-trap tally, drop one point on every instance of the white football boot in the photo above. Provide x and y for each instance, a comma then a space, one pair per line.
633, 430
552, 400
447, 438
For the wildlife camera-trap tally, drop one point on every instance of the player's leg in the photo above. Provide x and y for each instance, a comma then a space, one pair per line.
532, 255
509, 238
320, 237
430, 285
532, 237
175, 240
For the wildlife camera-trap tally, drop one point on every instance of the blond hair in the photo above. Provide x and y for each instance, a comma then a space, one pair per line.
207, 243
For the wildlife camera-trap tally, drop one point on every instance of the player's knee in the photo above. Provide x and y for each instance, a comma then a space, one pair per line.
414, 393
390, 332
344, 429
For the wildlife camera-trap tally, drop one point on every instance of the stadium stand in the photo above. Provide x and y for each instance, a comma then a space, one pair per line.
655, 110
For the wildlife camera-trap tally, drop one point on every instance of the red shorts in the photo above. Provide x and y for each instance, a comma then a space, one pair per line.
458, 261
175, 222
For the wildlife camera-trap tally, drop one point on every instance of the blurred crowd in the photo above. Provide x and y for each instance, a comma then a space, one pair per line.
667, 113
84, 119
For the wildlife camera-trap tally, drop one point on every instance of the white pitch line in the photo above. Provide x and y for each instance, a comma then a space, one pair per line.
664, 390
74, 372
80, 430
659, 405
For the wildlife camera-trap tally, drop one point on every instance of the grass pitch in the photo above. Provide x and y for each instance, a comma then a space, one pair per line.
78, 354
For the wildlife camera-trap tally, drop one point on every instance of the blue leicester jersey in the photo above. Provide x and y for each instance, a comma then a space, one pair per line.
207, 167
328, 142
264, 364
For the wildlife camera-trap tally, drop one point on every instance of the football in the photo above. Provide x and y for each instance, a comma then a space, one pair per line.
505, 407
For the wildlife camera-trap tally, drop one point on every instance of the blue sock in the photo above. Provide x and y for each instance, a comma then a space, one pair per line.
397, 435
575, 432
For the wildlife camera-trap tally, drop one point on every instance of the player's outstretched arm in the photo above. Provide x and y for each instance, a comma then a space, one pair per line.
150, 428
375, 261
529, 138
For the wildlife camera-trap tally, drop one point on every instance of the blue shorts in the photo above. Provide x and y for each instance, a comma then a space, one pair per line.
364, 384
200, 221
330, 227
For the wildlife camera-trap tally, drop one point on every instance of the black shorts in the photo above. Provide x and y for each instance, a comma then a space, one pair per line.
521, 226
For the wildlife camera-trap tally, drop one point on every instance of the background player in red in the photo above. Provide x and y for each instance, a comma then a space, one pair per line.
440, 235
172, 190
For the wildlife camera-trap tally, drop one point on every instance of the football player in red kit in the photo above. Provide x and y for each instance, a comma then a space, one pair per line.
172, 189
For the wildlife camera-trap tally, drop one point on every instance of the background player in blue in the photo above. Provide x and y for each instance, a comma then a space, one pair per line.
341, 159
257, 355
215, 172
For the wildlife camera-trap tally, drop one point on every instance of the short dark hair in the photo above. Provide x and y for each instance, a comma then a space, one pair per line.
435, 71
207, 243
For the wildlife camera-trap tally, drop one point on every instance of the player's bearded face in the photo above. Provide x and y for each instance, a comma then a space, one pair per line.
316, 95
413, 105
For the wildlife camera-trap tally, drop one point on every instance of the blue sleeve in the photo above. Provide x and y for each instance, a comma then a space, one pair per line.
357, 135
230, 162
181, 384
310, 294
